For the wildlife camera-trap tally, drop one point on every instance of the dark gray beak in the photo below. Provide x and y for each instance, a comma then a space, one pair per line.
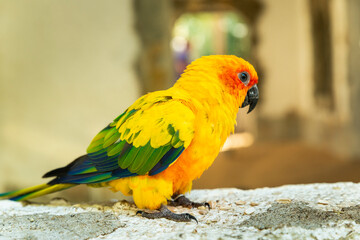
251, 98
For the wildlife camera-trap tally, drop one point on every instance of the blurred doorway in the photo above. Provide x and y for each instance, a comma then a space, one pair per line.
206, 33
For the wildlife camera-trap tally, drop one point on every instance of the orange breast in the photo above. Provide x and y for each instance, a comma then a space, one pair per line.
210, 135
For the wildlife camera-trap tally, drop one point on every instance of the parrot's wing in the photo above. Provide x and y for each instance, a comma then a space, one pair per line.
145, 139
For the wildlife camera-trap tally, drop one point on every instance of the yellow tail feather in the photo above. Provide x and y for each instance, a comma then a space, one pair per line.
35, 191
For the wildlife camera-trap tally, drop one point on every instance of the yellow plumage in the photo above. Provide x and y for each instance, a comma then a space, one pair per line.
205, 109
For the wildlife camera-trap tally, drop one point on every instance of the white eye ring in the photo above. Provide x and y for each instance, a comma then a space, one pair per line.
244, 77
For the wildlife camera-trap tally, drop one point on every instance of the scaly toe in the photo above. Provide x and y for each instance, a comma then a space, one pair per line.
185, 202
164, 212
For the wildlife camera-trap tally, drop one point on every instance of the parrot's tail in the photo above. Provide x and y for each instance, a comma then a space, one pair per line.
36, 191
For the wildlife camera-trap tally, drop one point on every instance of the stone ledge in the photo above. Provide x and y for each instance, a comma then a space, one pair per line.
312, 211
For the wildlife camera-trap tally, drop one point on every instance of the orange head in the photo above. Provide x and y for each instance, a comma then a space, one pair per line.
235, 75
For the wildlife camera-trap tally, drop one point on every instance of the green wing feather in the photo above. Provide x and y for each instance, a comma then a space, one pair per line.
148, 136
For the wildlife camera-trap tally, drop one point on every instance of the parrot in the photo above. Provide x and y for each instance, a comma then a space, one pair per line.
165, 140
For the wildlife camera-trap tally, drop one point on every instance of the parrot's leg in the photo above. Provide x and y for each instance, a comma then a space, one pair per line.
185, 202
164, 212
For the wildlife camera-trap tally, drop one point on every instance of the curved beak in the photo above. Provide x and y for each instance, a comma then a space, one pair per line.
251, 98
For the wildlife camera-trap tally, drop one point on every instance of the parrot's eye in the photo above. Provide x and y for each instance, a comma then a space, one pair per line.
244, 77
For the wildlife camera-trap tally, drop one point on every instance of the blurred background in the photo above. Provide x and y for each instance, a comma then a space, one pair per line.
67, 68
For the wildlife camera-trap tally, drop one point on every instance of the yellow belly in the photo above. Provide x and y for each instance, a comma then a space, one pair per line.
147, 192
152, 191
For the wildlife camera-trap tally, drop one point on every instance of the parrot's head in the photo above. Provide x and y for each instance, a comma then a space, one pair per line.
236, 77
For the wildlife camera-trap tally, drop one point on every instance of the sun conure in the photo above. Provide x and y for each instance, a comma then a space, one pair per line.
166, 139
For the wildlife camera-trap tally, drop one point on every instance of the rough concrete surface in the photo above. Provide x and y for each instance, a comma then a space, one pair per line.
313, 211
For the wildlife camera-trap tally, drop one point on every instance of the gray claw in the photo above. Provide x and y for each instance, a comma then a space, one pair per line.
192, 217
207, 205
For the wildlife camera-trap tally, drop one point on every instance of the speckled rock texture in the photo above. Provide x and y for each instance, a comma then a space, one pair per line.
313, 211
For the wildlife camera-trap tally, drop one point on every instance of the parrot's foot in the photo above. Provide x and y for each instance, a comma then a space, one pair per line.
164, 212
185, 202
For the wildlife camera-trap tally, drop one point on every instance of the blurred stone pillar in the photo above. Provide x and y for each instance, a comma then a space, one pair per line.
354, 72
322, 43
153, 23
